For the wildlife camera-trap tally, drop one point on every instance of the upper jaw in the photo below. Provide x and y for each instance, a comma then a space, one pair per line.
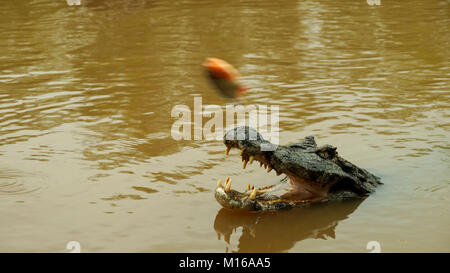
250, 143
279, 160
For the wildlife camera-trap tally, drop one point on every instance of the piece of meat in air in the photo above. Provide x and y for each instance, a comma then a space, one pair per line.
224, 77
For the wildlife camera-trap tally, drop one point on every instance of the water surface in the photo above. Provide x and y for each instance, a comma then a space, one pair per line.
86, 94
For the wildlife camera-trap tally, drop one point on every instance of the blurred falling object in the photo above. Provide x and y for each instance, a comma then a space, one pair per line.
224, 77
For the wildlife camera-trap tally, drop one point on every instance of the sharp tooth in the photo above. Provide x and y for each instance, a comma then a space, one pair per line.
244, 164
253, 195
251, 159
226, 180
228, 186
253, 187
269, 169
219, 183
248, 186
227, 151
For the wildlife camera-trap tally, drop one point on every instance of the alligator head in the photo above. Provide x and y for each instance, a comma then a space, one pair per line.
313, 174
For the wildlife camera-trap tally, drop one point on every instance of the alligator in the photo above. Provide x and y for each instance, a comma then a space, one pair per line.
313, 174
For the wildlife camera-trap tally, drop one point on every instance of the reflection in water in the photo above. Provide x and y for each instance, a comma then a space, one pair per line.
279, 232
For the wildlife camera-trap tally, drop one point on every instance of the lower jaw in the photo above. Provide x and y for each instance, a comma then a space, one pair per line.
262, 205
292, 193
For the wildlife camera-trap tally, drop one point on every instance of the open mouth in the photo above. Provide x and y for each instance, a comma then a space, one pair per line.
291, 191
313, 174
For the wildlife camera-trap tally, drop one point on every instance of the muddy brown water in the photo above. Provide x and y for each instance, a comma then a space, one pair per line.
86, 93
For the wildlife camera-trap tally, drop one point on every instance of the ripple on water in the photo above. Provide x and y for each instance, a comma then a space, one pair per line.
11, 185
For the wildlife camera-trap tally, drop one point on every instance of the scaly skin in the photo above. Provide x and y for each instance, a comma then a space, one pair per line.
313, 174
